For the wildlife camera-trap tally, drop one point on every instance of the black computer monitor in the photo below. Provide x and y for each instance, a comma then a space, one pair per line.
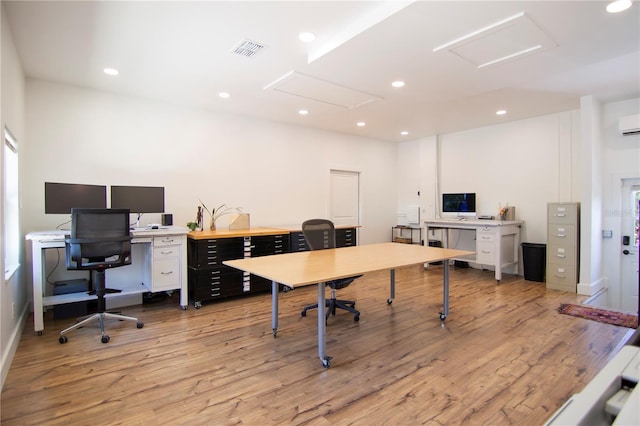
60, 198
138, 199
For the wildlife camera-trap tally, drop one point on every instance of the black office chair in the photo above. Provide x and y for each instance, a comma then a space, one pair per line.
320, 234
99, 240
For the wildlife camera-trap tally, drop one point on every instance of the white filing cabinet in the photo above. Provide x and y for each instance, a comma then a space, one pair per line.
563, 245
163, 266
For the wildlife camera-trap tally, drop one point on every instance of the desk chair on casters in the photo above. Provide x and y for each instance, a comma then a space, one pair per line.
320, 234
99, 240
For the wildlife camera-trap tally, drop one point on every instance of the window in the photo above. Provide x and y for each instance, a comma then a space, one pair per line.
11, 240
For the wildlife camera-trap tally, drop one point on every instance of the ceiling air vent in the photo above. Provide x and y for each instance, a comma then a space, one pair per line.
248, 48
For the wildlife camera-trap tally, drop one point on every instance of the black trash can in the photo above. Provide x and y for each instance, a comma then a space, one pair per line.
534, 257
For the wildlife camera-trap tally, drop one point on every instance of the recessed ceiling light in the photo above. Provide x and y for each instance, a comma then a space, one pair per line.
404, 133
111, 71
501, 112
224, 95
303, 112
307, 37
618, 6
361, 124
398, 83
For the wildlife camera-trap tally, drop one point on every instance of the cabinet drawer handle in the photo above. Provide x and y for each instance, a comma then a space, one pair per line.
485, 252
167, 240
562, 256
560, 235
166, 273
560, 215
166, 252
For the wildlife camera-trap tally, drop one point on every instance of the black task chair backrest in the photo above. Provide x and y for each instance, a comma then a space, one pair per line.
319, 233
100, 239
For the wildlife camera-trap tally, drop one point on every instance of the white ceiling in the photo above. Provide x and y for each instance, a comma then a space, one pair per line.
180, 52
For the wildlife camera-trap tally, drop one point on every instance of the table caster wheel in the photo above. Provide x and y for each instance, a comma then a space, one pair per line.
39, 333
326, 362
197, 305
184, 308
105, 339
62, 340
140, 324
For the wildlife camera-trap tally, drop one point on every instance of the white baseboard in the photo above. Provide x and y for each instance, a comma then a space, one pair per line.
590, 289
10, 350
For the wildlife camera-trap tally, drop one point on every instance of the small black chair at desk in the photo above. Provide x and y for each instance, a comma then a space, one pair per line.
99, 240
320, 234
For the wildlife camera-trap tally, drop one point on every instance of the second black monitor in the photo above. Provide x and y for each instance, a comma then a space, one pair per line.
138, 199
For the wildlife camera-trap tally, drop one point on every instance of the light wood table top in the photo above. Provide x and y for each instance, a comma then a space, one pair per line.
225, 233
311, 267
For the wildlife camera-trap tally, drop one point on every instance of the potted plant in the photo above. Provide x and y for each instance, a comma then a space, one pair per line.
218, 212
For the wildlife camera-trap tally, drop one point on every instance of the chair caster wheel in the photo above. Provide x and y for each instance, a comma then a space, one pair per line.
326, 362
140, 324
389, 301
303, 313
443, 317
356, 318
63, 340
105, 339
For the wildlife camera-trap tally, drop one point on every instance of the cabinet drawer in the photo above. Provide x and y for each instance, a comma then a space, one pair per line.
562, 213
166, 274
162, 252
560, 277
346, 237
488, 237
561, 255
168, 240
485, 252
562, 234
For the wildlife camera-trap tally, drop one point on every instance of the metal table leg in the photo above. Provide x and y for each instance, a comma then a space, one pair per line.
274, 308
445, 291
326, 360
392, 286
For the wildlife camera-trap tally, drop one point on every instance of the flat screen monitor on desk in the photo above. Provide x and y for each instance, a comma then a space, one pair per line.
138, 199
60, 198
460, 204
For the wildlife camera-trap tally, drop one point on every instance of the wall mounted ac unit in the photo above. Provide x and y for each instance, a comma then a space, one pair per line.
629, 125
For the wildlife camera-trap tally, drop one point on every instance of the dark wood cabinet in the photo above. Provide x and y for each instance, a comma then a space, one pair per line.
210, 280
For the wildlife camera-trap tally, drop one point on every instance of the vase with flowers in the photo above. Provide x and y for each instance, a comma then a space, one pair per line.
218, 212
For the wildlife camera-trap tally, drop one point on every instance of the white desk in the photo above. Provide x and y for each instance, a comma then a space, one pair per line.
497, 241
164, 257
319, 266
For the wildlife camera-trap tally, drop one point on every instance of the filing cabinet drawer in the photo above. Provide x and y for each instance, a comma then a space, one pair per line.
562, 234
563, 213
297, 242
561, 277
561, 255
211, 253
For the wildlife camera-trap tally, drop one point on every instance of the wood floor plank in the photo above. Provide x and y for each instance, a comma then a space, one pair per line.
503, 356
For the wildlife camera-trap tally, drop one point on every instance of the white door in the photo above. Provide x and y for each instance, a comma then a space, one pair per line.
629, 249
344, 199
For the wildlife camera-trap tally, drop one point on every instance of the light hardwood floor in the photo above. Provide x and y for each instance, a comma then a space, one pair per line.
503, 356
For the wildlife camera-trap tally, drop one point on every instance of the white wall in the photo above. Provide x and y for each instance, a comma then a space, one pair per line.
526, 163
12, 291
278, 173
